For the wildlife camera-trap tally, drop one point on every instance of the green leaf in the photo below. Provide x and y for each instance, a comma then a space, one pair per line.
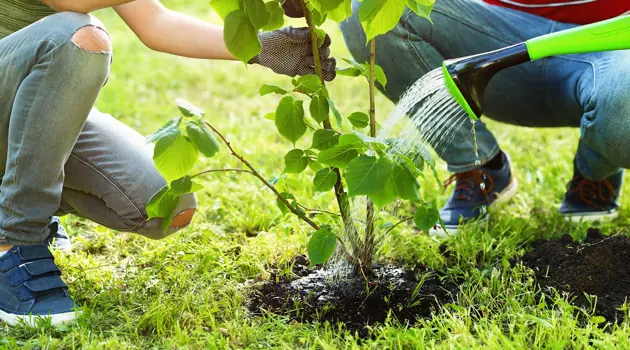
379, 75
362, 67
314, 164
308, 84
184, 185
271, 89
338, 156
415, 167
426, 217
169, 129
353, 141
257, 12
336, 113
349, 71
174, 156
240, 36
321, 36
423, 152
366, 174
162, 204
375, 143
318, 18
405, 183
295, 161
380, 16
276, 21
283, 207
202, 137
421, 8
270, 116
325, 180
341, 13
359, 120
224, 7
324, 139
348, 148
598, 319
290, 119
188, 109
319, 108
321, 246
384, 195
325, 6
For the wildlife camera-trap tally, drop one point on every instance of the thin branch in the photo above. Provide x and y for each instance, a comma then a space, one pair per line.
398, 223
270, 186
222, 170
372, 88
317, 210
368, 246
253, 171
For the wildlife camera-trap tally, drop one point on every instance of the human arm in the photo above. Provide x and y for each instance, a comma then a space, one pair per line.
165, 30
83, 6
285, 51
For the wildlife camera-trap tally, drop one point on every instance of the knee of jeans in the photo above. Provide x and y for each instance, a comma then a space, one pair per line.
92, 39
184, 213
611, 134
65, 25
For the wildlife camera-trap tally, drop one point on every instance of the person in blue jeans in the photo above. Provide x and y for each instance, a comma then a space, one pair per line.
62, 156
589, 91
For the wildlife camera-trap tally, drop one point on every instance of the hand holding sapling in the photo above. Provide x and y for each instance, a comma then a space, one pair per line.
288, 51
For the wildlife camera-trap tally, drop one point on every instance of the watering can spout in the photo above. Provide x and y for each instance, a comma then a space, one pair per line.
467, 78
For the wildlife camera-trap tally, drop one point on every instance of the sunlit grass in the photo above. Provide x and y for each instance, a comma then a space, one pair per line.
189, 291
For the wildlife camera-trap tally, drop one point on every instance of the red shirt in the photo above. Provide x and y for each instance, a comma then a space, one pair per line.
569, 11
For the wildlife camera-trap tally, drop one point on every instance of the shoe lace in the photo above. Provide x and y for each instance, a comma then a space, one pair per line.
466, 183
590, 191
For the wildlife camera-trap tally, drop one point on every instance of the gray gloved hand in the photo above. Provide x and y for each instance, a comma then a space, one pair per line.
288, 51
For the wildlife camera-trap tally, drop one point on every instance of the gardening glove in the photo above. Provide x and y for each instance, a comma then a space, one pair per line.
292, 8
288, 51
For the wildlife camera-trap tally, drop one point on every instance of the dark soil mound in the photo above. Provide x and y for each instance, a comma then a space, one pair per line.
391, 291
600, 266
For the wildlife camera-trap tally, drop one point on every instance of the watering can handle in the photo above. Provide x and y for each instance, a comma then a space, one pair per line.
609, 35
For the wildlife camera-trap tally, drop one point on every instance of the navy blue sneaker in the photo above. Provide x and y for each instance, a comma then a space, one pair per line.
58, 238
31, 288
587, 200
475, 191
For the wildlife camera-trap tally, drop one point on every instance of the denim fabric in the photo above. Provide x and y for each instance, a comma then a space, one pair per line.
57, 153
590, 91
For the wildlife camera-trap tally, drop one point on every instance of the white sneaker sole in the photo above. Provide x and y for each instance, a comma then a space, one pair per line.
602, 216
503, 197
31, 320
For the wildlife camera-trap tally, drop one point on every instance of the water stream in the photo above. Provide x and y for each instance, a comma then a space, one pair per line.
425, 115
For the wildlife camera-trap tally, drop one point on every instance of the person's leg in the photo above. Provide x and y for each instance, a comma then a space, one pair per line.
50, 75
110, 178
461, 28
543, 93
604, 148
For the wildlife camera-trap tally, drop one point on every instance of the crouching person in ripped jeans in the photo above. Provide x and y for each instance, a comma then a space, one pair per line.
63, 156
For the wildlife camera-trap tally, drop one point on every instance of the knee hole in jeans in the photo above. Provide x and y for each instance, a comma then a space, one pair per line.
183, 219
92, 39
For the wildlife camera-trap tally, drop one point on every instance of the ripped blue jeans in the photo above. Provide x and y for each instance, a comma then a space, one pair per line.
589, 91
58, 154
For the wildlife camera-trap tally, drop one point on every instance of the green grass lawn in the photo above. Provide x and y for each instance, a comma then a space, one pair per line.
189, 291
